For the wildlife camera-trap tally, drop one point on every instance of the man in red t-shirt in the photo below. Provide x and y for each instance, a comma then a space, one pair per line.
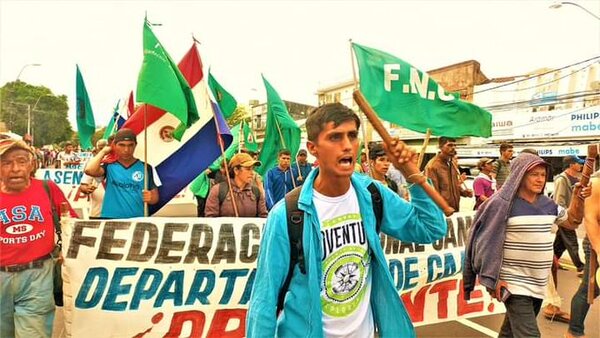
26, 243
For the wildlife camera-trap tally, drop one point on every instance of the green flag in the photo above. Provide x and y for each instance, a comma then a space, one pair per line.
86, 126
225, 100
281, 131
111, 128
200, 185
161, 84
404, 95
249, 142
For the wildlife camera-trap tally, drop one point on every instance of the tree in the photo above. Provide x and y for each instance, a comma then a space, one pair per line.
49, 123
242, 112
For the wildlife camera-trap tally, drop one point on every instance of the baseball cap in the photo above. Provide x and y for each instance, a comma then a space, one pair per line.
482, 161
376, 151
244, 160
10, 143
124, 135
568, 160
302, 152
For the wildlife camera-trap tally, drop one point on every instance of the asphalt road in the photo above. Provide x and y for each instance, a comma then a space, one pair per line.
489, 326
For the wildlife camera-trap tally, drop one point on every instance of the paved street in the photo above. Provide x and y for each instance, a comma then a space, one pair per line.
489, 326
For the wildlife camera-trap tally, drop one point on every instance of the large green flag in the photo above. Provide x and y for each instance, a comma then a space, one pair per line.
86, 126
226, 101
281, 131
201, 184
404, 95
161, 84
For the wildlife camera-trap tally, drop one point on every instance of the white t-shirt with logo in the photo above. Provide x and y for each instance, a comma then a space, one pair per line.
346, 284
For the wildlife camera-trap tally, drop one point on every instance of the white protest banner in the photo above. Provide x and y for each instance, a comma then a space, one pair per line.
429, 277
182, 277
68, 180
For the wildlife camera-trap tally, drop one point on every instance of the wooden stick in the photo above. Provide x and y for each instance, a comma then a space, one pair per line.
145, 158
220, 140
408, 169
593, 275
576, 206
424, 148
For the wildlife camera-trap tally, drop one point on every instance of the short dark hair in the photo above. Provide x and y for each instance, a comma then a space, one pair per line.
445, 139
284, 152
329, 112
375, 151
504, 146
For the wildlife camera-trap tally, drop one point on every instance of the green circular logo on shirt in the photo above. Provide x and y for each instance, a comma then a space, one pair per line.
344, 277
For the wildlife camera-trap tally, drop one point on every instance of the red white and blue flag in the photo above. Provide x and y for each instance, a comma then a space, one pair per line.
179, 162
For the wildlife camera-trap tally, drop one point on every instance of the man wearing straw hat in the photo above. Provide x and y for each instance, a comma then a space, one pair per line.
125, 192
26, 243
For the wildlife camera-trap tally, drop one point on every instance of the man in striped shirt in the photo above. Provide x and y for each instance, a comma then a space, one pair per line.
510, 245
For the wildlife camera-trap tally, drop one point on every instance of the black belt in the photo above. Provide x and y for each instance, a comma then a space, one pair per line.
36, 264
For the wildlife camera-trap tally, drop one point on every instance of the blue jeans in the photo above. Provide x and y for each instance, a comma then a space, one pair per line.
520, 319
27, 302
579, 304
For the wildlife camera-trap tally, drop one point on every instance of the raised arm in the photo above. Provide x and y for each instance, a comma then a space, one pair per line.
93, 167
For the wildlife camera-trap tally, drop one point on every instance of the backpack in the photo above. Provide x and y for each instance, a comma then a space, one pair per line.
224, 190
295, 226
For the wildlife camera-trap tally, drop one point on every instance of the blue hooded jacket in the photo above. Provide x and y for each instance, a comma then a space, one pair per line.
420, 221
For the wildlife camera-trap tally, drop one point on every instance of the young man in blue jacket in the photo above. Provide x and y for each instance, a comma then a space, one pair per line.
346, 288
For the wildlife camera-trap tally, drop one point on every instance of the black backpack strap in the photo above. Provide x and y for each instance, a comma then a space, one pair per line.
256, 193
377, 205
223, 190
55, 217
295, 226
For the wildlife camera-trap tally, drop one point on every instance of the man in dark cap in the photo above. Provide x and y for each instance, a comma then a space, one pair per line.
301, 168
125, 191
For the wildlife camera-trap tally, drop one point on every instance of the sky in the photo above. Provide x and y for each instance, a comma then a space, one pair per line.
299, 46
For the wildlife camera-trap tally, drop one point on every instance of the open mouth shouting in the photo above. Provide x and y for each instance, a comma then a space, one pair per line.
347, 162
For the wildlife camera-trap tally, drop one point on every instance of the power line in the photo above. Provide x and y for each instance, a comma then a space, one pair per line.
555, 80
534, 76
558, 100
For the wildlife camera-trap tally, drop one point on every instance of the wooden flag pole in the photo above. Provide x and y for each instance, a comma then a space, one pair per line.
409, 170
424, 148
362, 122
222, 147
145, 157
593, 271
283, 145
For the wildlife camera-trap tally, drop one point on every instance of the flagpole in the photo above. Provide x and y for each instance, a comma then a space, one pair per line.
145, 158
241, 137
283, 145
220, 141
425, 144
362, 122
408, 169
